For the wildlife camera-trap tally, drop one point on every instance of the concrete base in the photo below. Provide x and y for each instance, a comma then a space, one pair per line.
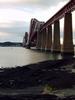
28, 47
56, 51
47, 50
38, 48
67, 55
42, 49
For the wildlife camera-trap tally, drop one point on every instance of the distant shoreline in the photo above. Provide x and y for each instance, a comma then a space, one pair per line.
12, 44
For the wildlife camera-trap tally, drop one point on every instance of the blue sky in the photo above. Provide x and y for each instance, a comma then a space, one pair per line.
15, 16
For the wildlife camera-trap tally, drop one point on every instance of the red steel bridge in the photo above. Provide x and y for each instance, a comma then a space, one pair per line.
41, 33
35, 26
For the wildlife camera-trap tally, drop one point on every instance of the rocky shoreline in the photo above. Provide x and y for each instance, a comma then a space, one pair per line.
38, 80
36, 97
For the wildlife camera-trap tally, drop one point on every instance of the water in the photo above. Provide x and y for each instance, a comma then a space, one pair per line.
18, 56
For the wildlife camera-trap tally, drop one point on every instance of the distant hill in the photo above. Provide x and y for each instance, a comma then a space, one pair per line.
14, 44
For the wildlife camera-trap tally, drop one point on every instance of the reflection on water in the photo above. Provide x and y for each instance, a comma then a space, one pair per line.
55, 56
17, 56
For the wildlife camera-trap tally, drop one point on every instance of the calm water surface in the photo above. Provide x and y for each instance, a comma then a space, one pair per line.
18, 56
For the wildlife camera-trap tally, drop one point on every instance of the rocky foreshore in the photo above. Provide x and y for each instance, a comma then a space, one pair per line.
38, 79
36, 97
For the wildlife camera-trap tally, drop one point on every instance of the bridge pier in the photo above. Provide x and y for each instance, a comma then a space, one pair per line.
39, 36
56, 47
48, 38
68, 38
43, 40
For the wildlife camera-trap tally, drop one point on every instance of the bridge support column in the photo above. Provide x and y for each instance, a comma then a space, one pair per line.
49, 38
68, 38
56, 37
43, 40
39, 37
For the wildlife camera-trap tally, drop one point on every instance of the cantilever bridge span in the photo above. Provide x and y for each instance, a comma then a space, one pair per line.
42, 32
35, 26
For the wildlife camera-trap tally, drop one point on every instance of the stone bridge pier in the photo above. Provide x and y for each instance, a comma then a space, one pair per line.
45, 37
48, 38
68, 34
56, 37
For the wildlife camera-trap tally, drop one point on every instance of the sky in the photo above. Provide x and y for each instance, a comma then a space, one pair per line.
15, 16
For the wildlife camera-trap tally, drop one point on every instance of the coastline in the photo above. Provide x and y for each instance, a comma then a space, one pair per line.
58, 75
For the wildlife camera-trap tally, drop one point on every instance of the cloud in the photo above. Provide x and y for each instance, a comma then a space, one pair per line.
10, 37
4, 34
15, 15
17, 27
26, 12
14, 32
45, 14
11, 14
45, 3
31, 3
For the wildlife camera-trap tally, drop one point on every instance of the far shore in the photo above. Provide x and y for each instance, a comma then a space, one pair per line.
10, 44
